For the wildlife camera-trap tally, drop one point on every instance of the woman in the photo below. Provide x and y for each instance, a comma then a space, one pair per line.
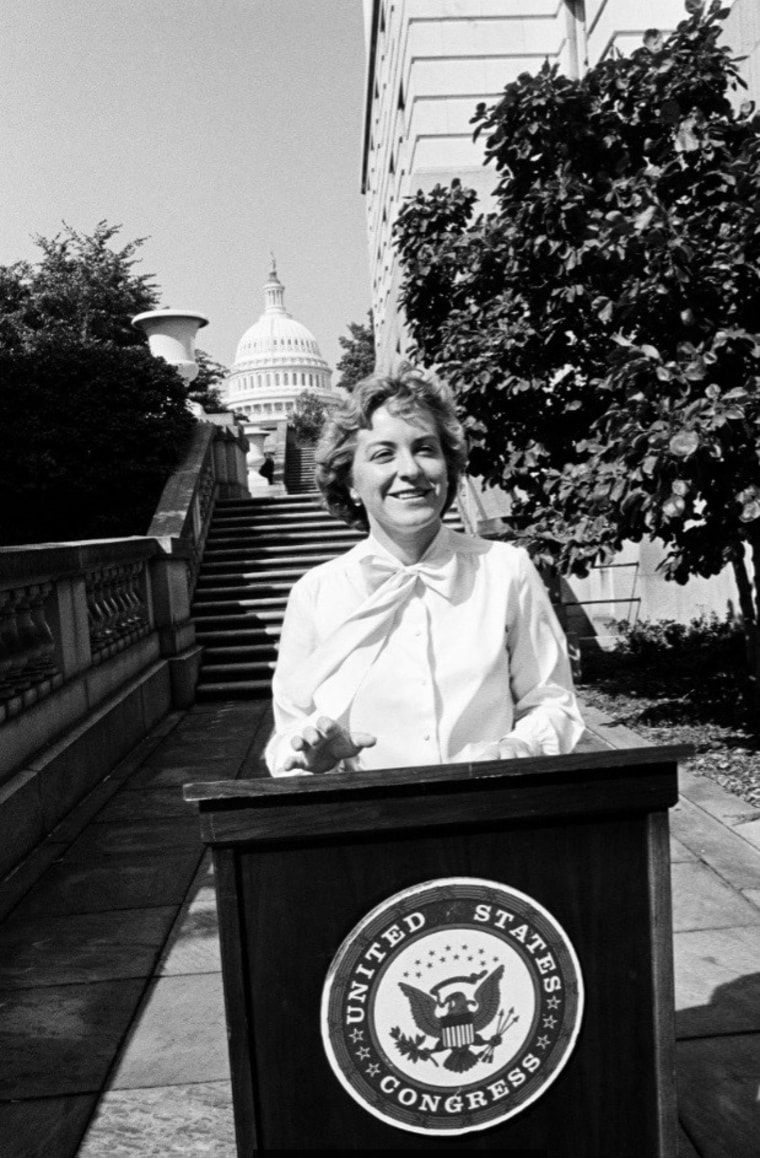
419, 645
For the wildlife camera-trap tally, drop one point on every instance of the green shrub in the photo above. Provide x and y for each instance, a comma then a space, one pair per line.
704, 640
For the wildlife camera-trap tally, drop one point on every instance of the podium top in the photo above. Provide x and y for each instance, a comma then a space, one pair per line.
641, 779
490, 770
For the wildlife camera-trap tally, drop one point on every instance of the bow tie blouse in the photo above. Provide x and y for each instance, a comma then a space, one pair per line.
439, 660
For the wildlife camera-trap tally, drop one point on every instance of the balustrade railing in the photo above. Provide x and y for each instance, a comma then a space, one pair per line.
116, 608
29, 667
214, 465
66, 609
203, 501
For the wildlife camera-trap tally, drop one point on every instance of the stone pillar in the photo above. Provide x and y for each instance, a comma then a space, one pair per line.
176, 631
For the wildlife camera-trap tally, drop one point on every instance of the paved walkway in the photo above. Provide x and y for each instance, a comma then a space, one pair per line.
112, 1033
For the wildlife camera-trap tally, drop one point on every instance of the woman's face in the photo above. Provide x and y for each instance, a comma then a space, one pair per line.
399, 474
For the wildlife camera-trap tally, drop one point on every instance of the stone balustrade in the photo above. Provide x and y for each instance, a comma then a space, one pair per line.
116, 608
97, 643
28, 662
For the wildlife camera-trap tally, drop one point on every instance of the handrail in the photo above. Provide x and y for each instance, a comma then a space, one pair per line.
214, 467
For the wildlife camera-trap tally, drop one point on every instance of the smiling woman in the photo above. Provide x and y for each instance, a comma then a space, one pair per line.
419, 645
400, 478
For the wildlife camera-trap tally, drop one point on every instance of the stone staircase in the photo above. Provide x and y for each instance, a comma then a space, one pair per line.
299, 469
255, 551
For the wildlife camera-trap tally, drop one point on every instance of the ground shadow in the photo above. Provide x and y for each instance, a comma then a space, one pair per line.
718, 1067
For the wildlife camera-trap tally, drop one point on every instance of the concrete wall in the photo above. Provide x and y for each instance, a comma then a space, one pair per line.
742, 34
619, 24
431, 62
633, 588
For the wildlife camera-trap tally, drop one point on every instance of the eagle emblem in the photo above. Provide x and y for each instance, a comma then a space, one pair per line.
454, 1013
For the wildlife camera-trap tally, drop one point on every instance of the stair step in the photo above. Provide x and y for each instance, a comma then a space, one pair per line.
240, 653
232, 580
270, 500
221, 672
273, 550
233, 619
266, 523
234, 690
247, 600
282, 533
216, 571
242, 593
273, 545
225, 637
252, 560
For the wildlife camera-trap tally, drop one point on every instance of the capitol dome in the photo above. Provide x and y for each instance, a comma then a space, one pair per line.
276, 359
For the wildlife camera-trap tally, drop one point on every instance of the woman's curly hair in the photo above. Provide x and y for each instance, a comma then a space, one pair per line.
403, 393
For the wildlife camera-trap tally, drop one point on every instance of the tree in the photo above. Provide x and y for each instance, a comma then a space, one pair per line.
600, 327
91, 433
308, 417
359, 359
92, 423
205, 388
81, 288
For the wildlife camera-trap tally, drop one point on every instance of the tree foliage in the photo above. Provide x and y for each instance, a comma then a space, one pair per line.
81, 288
308, 417
205, 388
91, 431
601, 327
358, 361
92, 423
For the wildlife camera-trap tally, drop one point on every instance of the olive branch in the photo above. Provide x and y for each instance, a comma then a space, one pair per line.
412, 1047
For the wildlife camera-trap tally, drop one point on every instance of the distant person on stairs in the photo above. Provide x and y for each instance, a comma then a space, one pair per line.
419, 645
266, 470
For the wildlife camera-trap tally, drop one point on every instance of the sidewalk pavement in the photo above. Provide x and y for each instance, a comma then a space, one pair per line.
112, 1030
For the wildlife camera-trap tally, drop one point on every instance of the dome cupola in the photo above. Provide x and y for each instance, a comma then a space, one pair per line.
276, 359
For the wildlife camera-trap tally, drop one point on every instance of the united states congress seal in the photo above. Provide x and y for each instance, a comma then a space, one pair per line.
452, 1006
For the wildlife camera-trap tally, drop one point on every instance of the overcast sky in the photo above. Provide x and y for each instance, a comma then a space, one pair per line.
219, 129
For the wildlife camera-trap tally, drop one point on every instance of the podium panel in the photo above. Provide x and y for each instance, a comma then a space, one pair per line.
572, 851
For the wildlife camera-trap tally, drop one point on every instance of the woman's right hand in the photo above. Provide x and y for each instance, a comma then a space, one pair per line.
321, 747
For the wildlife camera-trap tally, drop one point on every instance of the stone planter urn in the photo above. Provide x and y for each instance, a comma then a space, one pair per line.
255, 457
171, 336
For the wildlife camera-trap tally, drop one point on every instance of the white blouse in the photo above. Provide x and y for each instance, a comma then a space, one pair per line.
438, 660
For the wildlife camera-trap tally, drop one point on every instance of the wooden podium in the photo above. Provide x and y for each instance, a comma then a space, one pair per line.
300, 862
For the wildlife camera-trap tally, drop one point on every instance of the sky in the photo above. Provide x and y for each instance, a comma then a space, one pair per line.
220, 130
